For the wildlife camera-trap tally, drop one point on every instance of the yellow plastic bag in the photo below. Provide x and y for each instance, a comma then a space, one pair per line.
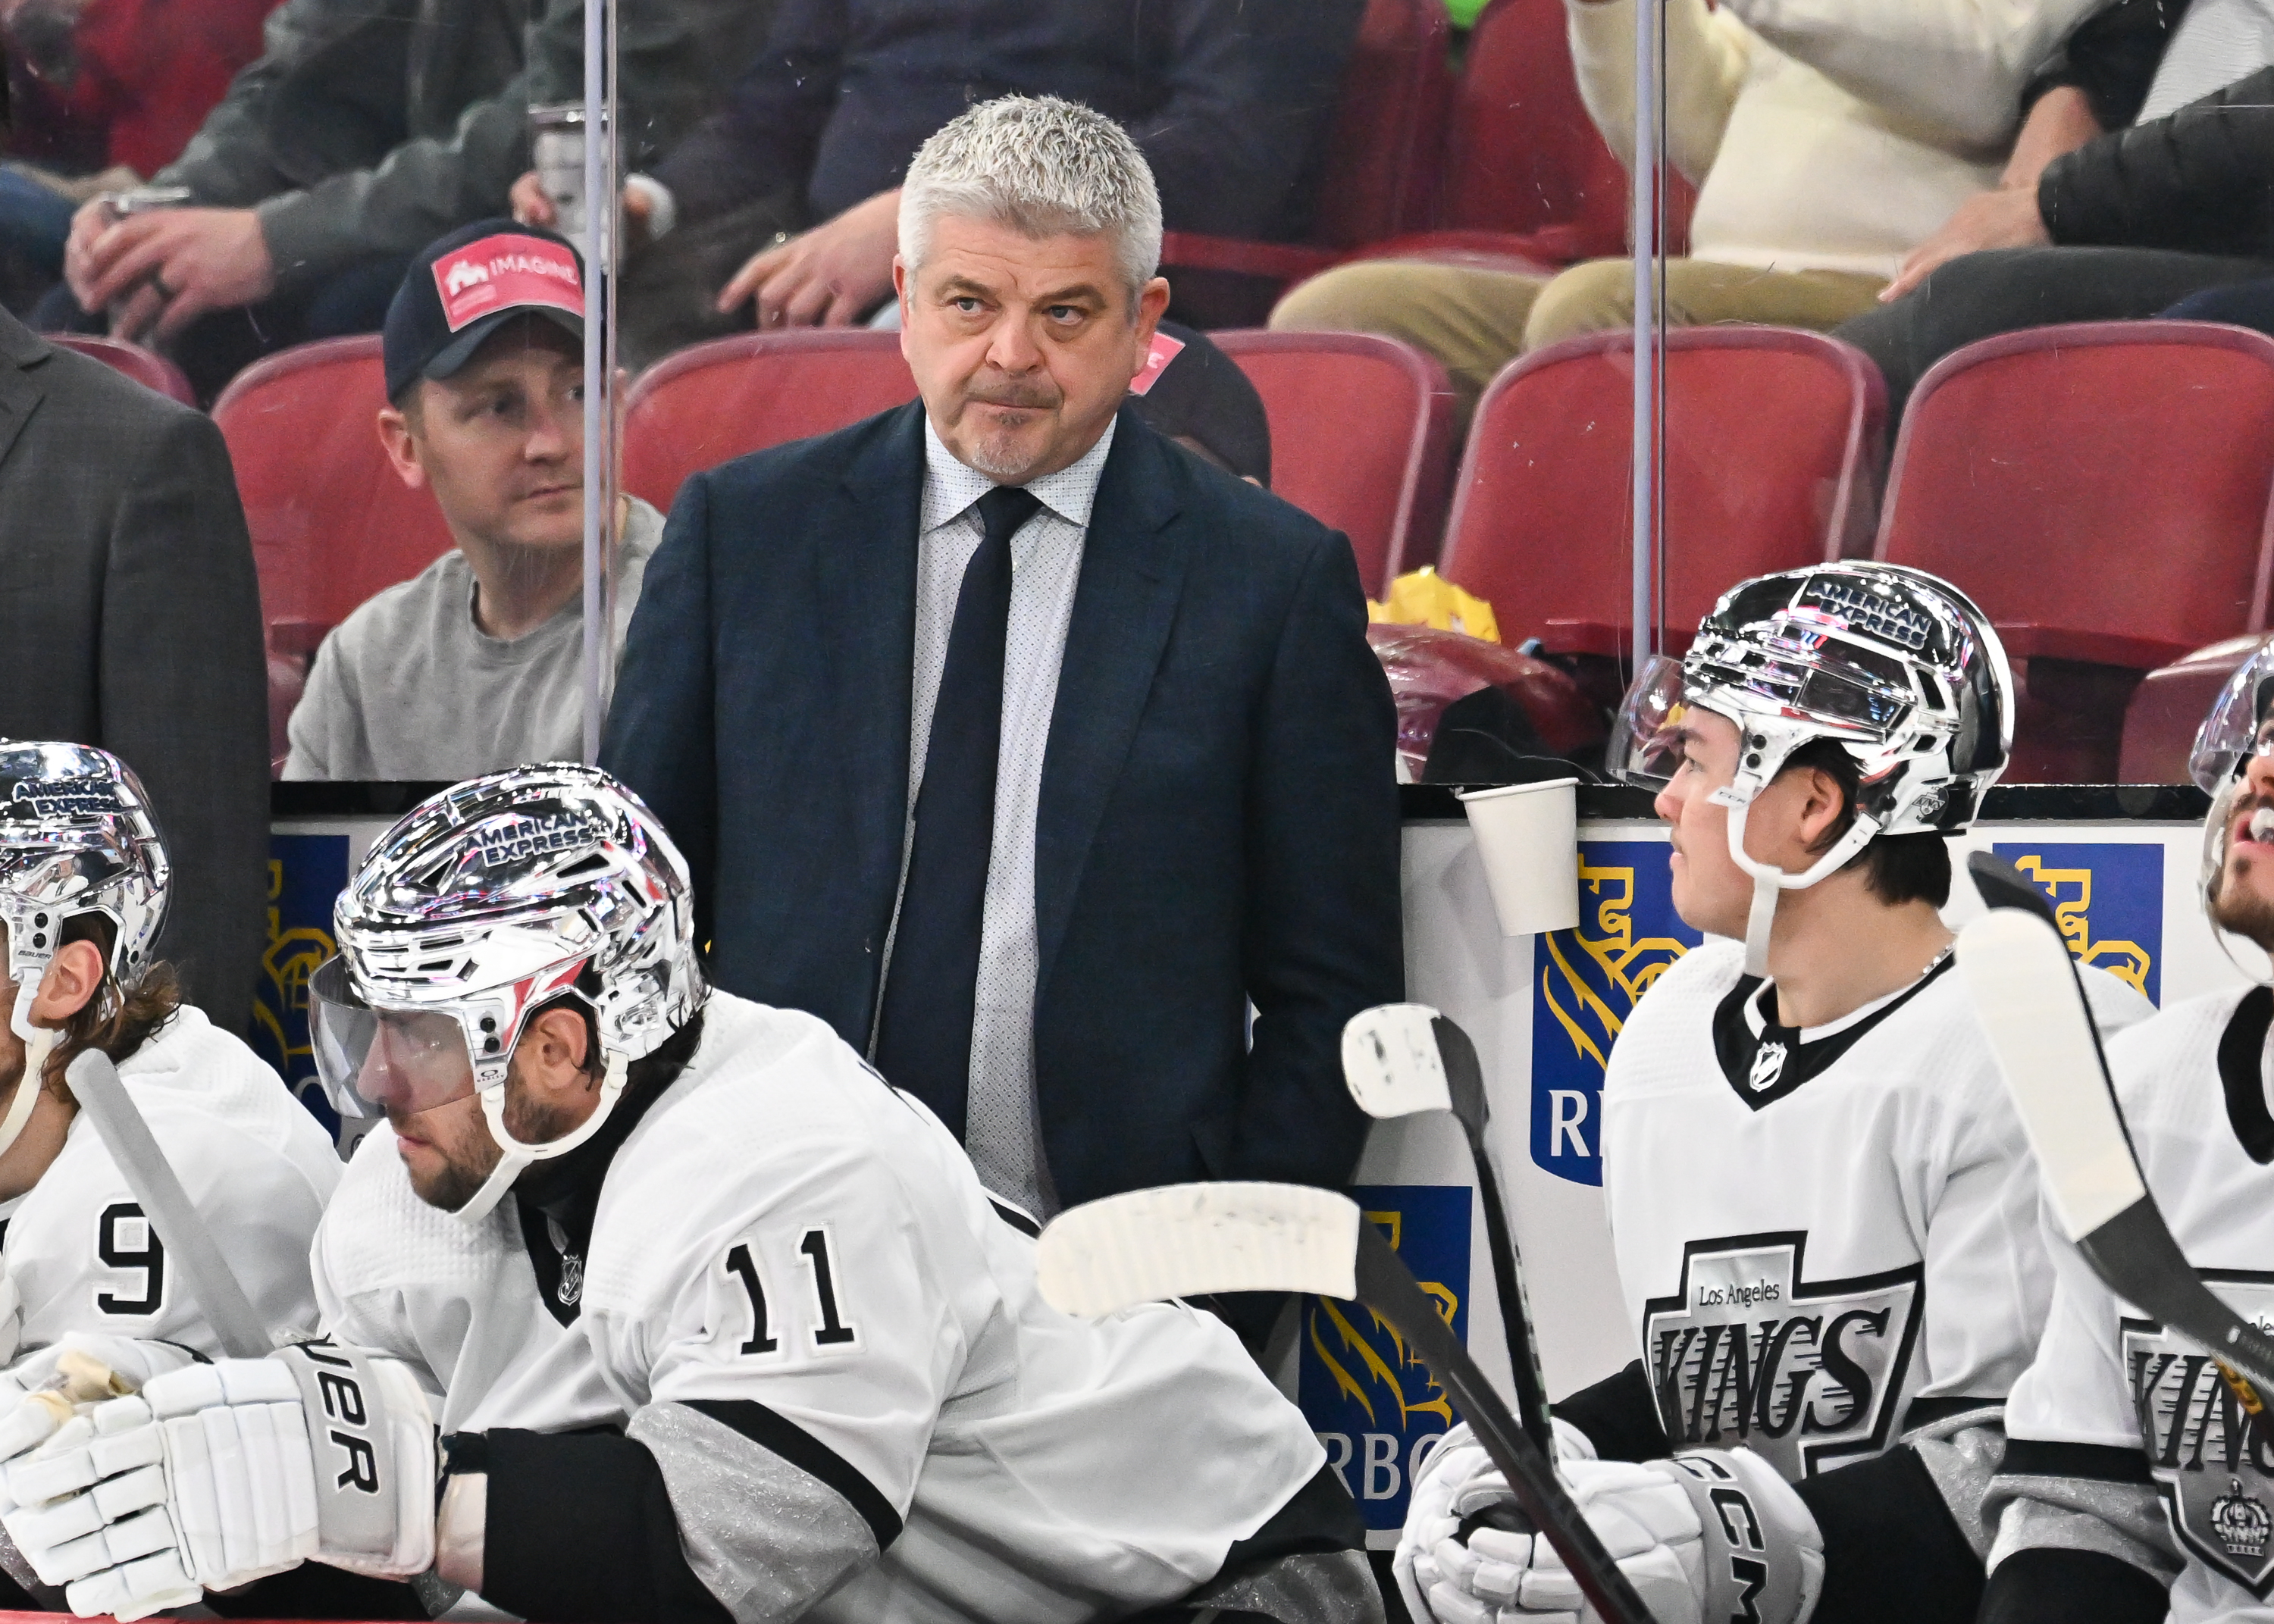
1426, 598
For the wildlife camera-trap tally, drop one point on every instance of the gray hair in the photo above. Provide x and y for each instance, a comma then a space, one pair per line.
1043, 167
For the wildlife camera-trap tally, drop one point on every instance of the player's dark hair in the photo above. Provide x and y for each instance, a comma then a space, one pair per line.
1897, 868
117, 1021
656, 1070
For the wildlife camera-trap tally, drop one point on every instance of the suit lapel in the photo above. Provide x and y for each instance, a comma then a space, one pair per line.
20, 350
868, 573
1133, 571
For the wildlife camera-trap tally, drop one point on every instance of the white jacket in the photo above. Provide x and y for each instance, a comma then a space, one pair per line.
1826, 134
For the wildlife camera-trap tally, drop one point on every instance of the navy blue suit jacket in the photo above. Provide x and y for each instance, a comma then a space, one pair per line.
1218, 817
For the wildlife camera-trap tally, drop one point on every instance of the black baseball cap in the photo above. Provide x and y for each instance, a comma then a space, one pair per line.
461, 288
1199, 393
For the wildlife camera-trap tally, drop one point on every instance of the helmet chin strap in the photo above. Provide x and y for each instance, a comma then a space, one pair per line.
39, 1044
1769, 881
516, 1155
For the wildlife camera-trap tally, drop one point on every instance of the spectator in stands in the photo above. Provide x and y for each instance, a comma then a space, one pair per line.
1024, 748
2180, 205
1826, 140
1229, 100
128, 595
362, 133
1198, 397
478, 663
135, 76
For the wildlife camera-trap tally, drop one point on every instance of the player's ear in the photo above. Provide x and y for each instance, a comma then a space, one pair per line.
1820, 809
73, 978
554, 1046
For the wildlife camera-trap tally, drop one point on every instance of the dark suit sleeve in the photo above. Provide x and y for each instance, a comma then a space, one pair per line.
2198, 179
661, 734
183, 695
1322, 936
1252, 84
764, 140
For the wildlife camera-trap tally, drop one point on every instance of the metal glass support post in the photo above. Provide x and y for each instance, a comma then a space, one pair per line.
600, 500
1648, 242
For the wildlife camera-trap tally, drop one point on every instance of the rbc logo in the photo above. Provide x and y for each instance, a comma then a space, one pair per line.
1376, 1409
1584, 982
306, 874
2108, 901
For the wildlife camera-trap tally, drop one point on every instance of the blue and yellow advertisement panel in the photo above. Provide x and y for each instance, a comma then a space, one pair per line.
1584, 982
306, 874
1369, 1397
2108, 901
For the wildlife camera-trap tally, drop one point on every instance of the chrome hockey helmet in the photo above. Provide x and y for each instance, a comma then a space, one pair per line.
77, 836
484, 903
1896, 667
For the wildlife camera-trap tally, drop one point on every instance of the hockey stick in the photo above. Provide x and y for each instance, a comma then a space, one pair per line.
94, 1084
2030, 1003
1189, 1240
1402, 1059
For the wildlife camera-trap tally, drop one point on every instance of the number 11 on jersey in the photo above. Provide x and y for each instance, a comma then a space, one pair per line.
813, 1250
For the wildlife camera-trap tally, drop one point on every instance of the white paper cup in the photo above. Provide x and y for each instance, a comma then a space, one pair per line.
1528, 836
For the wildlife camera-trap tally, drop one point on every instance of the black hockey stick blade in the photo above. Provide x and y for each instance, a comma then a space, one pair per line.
2032, 1007
1465, 1081
1388, 1287
1402, 1059
2002, 885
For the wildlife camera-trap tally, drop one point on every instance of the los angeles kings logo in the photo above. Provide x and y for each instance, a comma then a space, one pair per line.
1809, 1373
2211, 1461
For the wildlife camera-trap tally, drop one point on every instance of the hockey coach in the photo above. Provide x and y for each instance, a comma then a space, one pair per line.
1019, 744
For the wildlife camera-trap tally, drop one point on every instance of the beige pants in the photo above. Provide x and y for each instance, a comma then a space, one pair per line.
1476, 321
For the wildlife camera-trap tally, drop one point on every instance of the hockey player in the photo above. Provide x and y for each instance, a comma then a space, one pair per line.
2135, 1483
1822, 1203
719, 1325
83, 892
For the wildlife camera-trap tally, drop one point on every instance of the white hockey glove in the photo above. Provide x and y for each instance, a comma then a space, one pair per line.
1457, 1460
1706, 1536
220, 1474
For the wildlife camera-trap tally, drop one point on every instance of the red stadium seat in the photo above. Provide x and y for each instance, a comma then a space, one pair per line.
1769, 436
1381, 156
723, 399
1529, 184
2102, 491
145, 367
332, 523
1361, 439
2170, 704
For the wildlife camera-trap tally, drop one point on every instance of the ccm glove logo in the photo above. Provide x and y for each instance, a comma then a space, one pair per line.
348, 1418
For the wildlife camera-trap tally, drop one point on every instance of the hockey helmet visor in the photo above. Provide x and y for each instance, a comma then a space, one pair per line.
1645, 745
2237, 727
372, 1062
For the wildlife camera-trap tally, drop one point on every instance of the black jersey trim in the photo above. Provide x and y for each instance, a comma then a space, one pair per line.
2241, 1056
1927, 1412
1736, 1046
2031, 1457
802, 1449
1620, 1416
1893, 1552
2049, 1584
1016, 1219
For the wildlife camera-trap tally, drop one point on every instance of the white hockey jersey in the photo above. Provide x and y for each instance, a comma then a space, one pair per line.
811, 1315
1821, 1232
256, 1166
2193, 1087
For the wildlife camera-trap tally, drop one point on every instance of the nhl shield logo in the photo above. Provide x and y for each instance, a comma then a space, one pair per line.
1808, 1374
1768, 1065
2211, 1459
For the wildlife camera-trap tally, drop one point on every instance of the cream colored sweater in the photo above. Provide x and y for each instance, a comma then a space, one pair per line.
1826, 134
